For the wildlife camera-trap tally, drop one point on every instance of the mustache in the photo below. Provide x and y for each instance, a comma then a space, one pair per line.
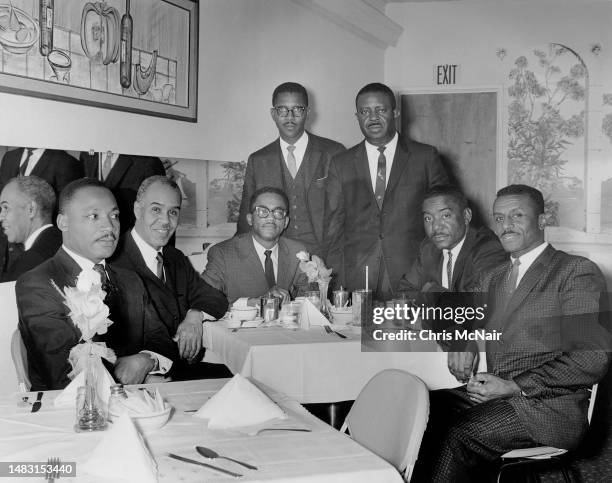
509, 232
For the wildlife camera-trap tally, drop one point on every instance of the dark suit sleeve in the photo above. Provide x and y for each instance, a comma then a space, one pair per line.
47, 332
334, 222
413, 280
27, 261
214, 273
436, 174
248, 189
581, 302
202, 296
488, 256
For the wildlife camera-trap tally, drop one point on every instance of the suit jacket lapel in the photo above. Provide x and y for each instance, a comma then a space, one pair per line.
70, 268
248, 255
90, 164
287, 265
463, 254
400, 161
362, 167
139, 263
310, 162
116, 173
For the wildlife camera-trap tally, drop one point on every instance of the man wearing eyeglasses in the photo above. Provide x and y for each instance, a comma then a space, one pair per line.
259, 262
374, 193
297, 162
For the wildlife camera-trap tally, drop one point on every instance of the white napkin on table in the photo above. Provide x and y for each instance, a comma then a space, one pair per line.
239, 403
67, 398
310, 315
122, 453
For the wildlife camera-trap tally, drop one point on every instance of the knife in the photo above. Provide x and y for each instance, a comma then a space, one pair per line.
36, 406
206, 465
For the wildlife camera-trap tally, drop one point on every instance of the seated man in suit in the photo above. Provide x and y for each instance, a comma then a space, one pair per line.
548, 307
182, 298
89, 221
262, 261
27, 204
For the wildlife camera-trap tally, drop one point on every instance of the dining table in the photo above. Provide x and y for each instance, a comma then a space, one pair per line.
316, 366
321, 455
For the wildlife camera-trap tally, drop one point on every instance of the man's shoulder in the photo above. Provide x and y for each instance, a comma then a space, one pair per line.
173, 255
482, 236
50, 239
267, 150
568, 260
292, 245
40, 276
326, 144
347, 155
124, 253
229, 245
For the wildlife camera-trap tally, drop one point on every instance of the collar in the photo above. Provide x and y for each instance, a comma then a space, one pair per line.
457, 248
34, 235
389, 147
528, 258
148, 252
84, 263
260, 249
300, 144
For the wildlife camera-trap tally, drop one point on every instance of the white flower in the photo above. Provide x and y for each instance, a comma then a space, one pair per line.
303, 256
86, 279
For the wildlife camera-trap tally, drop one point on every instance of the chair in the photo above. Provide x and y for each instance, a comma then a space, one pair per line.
389, 418
538, 454
20, 359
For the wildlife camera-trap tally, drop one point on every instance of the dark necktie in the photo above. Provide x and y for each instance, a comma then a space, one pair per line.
381, 177
160, 267
269, 269
449, 269
24, 165
98, 267
513, 276
291, 161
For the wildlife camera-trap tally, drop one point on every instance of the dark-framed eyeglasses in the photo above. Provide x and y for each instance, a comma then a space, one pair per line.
367, 112
264, 212
283, 111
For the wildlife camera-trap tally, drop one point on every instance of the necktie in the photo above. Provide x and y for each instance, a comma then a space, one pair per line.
449, 269
381, 177
106, 166
269, 269
160, 267
512, 277
98, 267
24, 165
291, 162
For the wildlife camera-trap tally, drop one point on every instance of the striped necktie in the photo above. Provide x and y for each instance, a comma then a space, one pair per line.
291, 161
24, 166
381, 177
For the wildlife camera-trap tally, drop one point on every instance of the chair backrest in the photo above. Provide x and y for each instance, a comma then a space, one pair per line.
8, 324
389, 417
20, 360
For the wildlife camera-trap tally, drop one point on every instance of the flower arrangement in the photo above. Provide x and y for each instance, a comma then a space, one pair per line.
313, 267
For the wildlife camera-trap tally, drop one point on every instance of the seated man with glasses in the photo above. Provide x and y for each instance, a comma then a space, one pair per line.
297, 162
261, 261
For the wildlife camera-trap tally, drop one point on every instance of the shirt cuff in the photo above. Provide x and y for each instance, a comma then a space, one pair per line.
162, 365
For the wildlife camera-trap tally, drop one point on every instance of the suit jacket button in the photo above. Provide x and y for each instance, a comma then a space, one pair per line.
381, 236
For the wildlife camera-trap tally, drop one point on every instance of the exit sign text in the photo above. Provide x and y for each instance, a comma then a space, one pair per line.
446, 74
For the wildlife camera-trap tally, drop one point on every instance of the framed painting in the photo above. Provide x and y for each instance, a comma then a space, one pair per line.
139, 56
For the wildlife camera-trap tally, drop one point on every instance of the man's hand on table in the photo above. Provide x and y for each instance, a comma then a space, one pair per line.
133, 369
487, 387
279, 292
462, 364
189, 335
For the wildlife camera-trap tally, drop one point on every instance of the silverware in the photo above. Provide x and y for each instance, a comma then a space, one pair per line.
36, 406
206, 465
212, 454
329, 330
284, 429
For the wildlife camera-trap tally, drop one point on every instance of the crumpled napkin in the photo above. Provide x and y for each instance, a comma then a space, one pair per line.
310, 315
122, 453
140, 401
67, 398
239, 404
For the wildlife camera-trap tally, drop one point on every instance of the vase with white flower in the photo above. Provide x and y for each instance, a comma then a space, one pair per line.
89, 314
316, 271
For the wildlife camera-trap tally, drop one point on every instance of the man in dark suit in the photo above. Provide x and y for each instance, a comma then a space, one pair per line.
27, 204
297, 162
122, 174
374, 191
262, 261
548, 306
89, 221
182, 299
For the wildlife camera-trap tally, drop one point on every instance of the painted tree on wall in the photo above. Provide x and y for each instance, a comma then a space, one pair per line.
540, 130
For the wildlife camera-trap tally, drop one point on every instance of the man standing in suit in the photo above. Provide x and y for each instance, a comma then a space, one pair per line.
122, 174
374, 192
182, 299
297, 162
27, 204
89, 221
262, 261
548, 306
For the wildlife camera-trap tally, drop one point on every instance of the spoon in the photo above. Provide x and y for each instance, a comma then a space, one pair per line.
209, 453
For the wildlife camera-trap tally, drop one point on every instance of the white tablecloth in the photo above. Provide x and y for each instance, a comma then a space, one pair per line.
323, 455
312, 366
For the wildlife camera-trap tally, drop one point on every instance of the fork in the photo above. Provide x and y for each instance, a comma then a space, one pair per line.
329, 330
51, 473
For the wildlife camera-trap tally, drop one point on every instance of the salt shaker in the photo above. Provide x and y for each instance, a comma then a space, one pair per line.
115, 402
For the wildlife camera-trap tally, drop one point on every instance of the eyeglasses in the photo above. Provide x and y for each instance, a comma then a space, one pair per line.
277, 213
367, 112
283, 111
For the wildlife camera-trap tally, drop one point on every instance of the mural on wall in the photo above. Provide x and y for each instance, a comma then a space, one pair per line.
546, 128
137, 49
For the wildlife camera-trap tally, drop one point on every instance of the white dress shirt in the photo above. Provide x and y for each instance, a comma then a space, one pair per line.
527, 260
373, 154
33, 161
101, 159
298, 152
149, 254
260, 249
34, 235
446, 283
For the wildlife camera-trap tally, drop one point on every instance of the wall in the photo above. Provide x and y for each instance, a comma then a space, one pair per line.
246, 48
469, 33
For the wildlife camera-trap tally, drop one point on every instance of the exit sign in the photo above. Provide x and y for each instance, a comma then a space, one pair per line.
446, 74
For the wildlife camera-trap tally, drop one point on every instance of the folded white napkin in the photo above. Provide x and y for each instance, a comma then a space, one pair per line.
239, 403
67, 398
122, 453
141, 402
241, 303
310, 315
